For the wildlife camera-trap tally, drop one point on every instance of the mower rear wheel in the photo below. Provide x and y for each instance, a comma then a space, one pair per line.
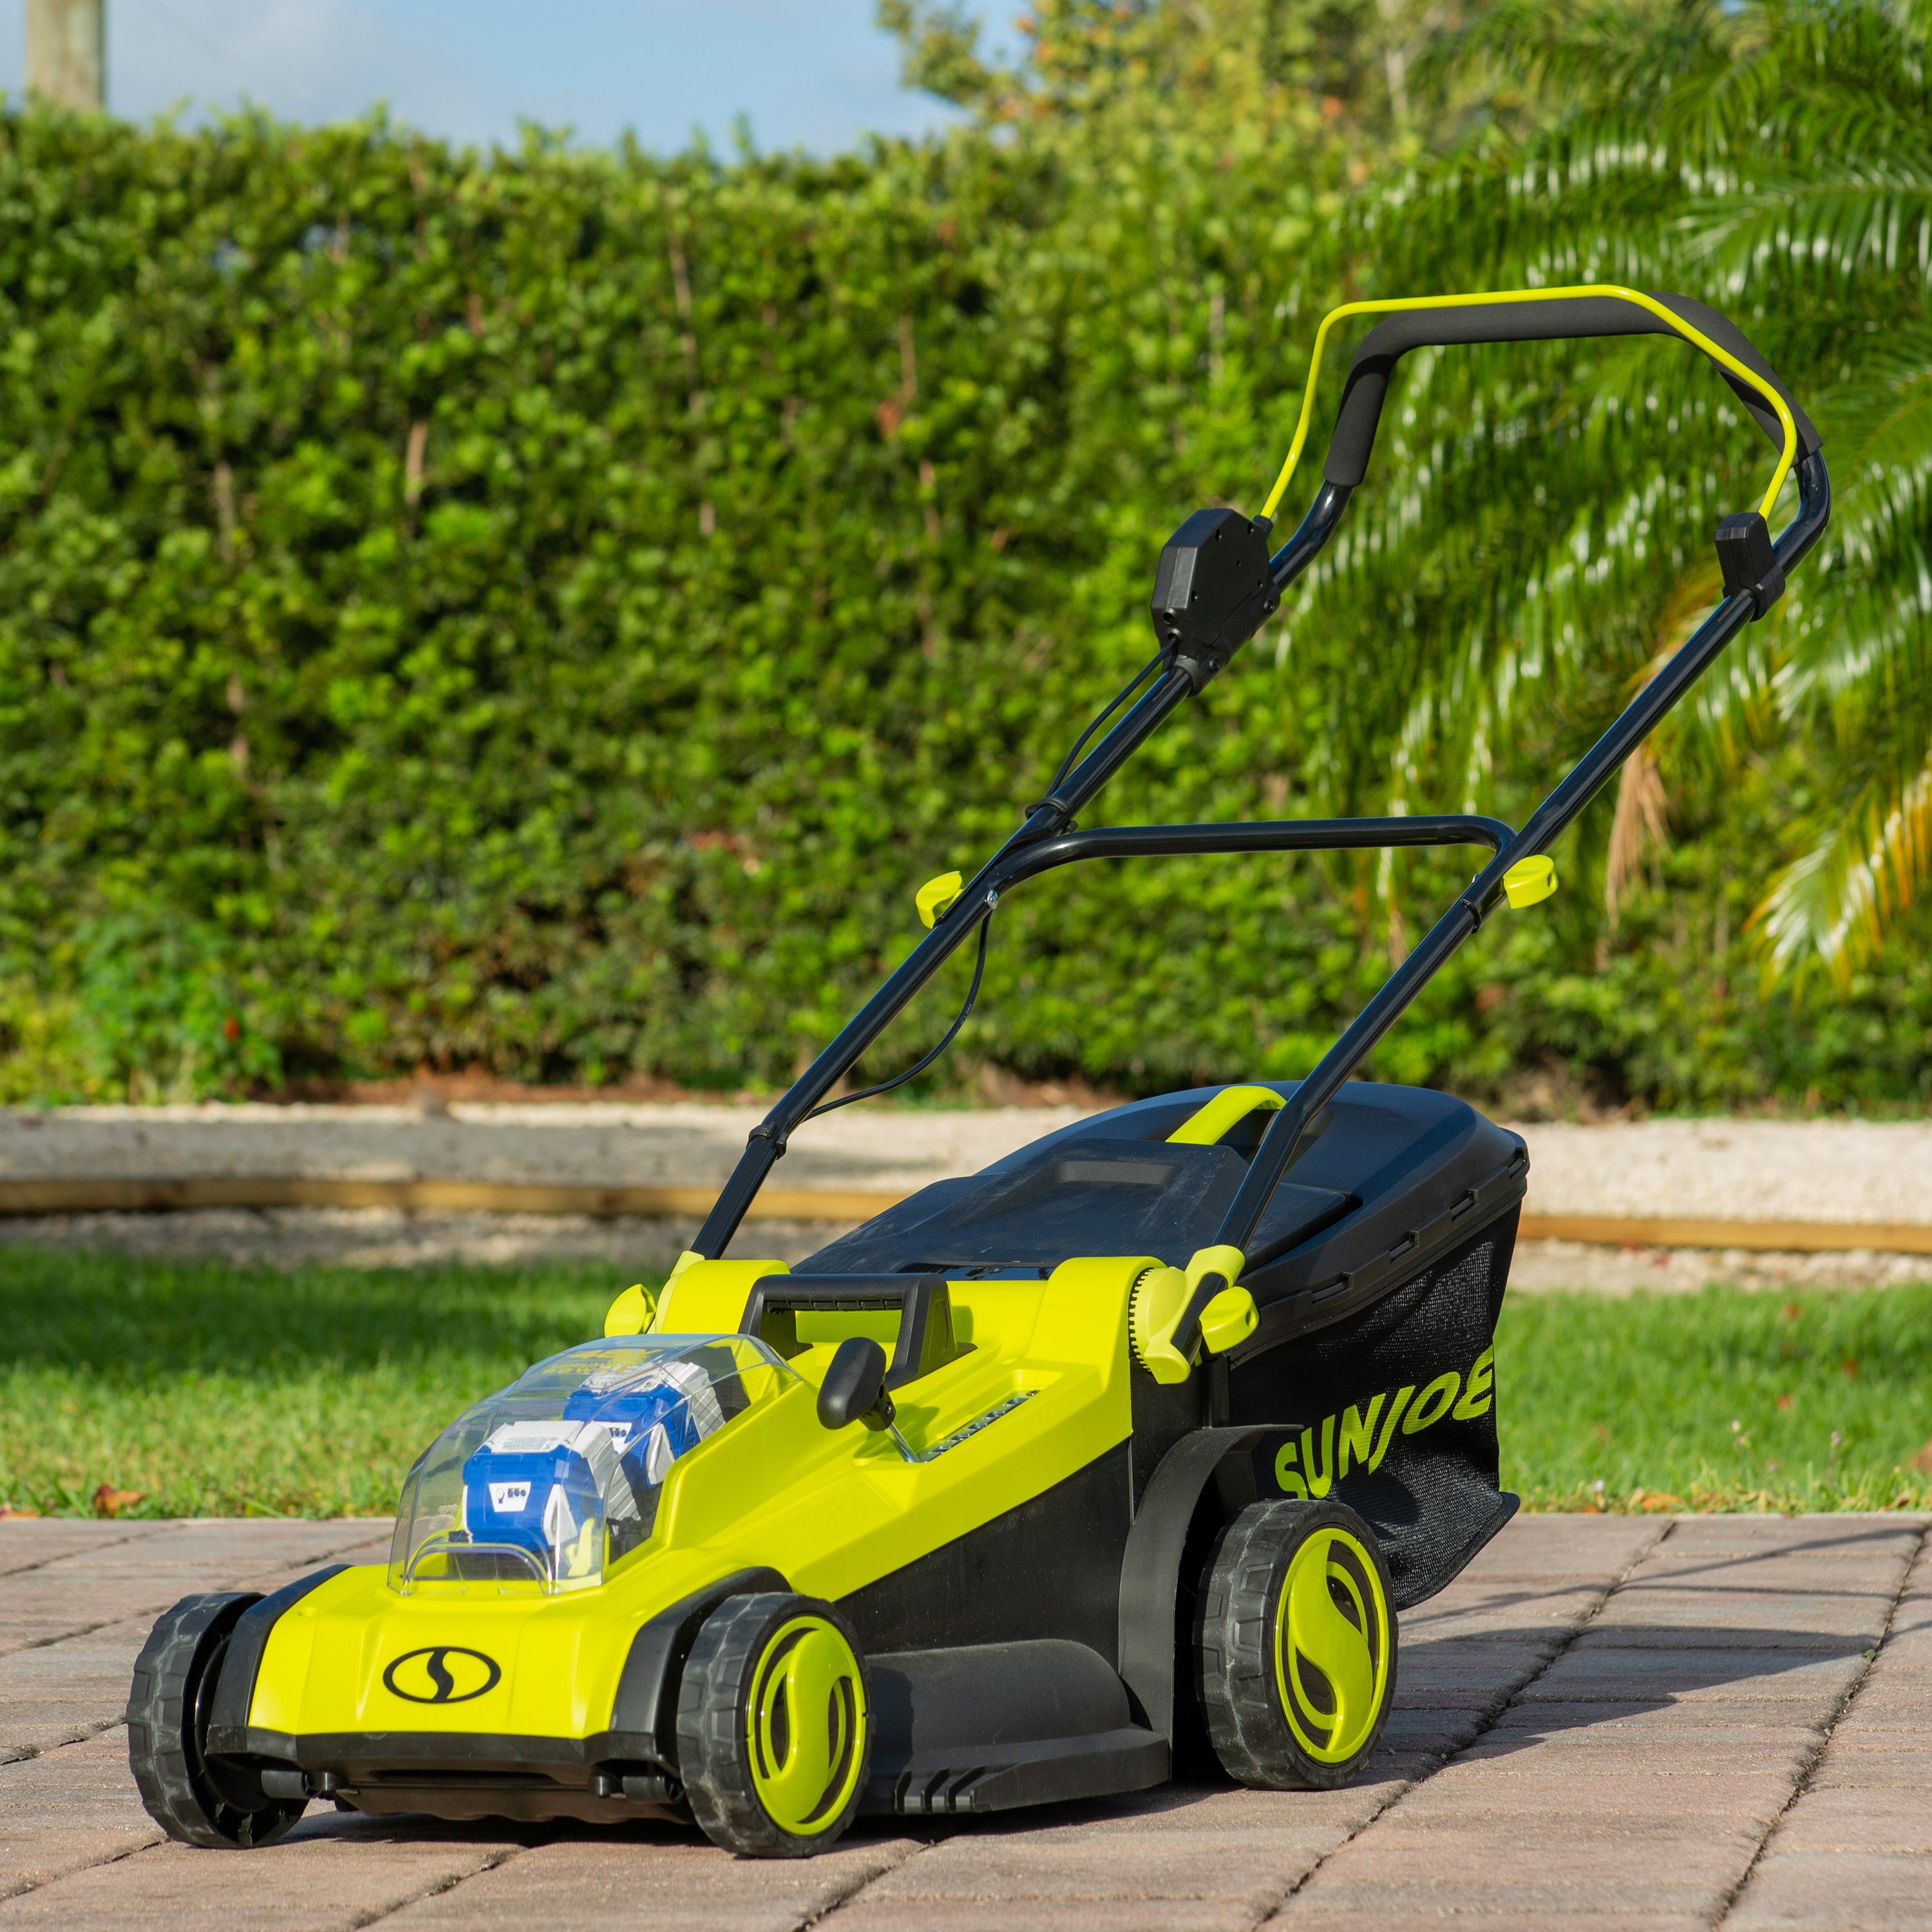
217, 1805
774, 1726
1296, 1645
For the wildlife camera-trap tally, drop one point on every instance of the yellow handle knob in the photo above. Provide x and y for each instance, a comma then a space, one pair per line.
1530, 880
1230, 1317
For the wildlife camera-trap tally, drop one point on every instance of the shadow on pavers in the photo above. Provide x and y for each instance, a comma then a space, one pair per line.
1632, 1670
1836, 1537
1822, 1539
662, 1834
320, 1821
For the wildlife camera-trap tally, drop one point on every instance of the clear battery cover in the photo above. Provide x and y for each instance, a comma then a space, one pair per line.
550, 1481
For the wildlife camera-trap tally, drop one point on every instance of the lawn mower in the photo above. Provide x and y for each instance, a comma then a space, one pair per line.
1117, 1459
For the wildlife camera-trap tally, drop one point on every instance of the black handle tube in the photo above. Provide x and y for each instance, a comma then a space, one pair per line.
1282, 1140
1314, 530
1147, 714
1278, 834
976, 902
768, 1139
1648, 708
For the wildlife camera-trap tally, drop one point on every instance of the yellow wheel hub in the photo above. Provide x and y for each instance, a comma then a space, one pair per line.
807, 1725
1331, 1648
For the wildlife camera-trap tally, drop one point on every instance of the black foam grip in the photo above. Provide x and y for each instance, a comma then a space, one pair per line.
1569, 316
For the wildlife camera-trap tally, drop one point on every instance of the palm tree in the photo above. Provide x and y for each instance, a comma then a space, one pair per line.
1774, 157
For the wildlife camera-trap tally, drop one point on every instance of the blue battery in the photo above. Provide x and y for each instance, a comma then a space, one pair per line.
580, 1489
651, 1424
543, 1496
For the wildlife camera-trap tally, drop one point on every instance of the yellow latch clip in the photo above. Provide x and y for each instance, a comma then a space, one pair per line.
933, 897
630, 1313
1530, 880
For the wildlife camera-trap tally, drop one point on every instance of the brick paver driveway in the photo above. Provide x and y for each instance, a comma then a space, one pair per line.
1627, 1723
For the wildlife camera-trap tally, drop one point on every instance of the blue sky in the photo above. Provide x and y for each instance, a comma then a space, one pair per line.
812, 73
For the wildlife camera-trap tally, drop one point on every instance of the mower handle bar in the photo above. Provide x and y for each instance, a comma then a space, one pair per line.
1018, 862
1265, 835
1045, 838
1563, 319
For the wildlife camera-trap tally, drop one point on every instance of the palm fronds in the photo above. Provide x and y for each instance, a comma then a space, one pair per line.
1775, 158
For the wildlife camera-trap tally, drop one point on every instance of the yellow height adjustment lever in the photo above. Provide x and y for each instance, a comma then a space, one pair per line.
1163, 1295
1161, 1299
630, 1313
936, 896
1530, 880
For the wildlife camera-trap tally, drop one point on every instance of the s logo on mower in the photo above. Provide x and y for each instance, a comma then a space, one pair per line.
442, 1675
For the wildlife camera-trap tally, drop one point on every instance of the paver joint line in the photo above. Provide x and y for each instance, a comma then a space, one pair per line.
858, 1885
153, 1844
146, 1530
68, 1635
493, 1862
1814, 1757
26, 1753
1488, 1723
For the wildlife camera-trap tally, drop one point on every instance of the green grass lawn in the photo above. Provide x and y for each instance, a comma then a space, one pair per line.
1720, 1400
222, 1391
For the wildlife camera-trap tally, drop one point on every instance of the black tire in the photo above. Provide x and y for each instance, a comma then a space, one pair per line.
1295, 1646
219, 1806
757, 1779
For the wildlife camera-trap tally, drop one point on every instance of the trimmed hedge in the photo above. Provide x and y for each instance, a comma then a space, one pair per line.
548, 611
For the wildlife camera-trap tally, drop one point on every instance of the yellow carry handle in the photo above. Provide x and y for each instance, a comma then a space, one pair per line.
1228, 1109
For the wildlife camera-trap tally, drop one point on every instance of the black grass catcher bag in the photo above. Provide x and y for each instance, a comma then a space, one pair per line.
1401, 1402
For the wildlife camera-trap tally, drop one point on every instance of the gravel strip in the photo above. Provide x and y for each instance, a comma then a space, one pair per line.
1835, 1171
1829, 1171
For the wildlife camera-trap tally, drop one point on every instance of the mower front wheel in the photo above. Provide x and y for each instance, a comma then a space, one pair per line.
774, 1726
200, 1803
1296, 1646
